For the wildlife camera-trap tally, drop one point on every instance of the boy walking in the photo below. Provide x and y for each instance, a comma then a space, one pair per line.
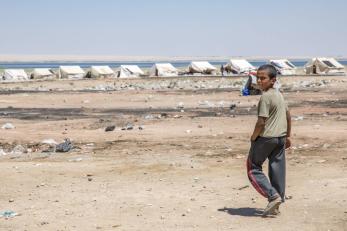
269, 140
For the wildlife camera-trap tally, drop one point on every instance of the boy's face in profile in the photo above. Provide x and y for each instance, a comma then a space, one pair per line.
264, 81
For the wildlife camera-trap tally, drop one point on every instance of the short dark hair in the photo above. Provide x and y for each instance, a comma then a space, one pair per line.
271, 70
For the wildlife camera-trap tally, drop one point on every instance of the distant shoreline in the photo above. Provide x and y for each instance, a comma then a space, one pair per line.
104, 58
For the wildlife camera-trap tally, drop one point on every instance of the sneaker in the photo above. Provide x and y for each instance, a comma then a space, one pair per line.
272, 206
276, 211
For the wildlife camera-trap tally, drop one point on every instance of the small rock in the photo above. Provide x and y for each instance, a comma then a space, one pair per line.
232, 106
110, 128
321, 161
11, 200
90, 179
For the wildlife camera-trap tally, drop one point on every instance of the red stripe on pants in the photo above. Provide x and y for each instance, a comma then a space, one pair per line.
253, 180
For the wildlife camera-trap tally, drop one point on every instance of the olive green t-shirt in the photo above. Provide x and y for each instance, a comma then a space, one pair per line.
273, 107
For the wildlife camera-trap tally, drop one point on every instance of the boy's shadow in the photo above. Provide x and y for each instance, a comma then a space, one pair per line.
245, 212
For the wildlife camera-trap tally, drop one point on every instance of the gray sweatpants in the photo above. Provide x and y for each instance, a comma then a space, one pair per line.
273, 149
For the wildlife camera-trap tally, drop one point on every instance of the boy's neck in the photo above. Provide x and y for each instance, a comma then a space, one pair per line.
269, 88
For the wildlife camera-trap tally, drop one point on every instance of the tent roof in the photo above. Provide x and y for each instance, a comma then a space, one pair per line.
203, 65
42, 71
329, 61
241, 63
14, 72
165, 66
103, 70
72, 69
132, 68
283, 63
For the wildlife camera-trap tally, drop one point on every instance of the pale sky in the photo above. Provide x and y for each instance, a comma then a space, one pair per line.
174, 28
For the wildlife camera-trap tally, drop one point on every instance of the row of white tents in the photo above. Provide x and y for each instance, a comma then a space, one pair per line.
285, 67
125, 71
234, 66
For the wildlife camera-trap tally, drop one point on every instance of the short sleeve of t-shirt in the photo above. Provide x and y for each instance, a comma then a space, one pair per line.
264, 106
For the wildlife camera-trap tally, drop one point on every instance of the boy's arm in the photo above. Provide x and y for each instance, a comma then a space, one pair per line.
289, 129
259, 126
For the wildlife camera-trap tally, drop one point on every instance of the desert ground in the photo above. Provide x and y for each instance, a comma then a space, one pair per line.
175, 160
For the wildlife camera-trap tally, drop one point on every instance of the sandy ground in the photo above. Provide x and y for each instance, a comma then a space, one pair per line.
185, 170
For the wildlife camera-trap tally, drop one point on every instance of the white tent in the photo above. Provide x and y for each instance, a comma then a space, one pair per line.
71, 72
201, 67
127, 71
15, 75
239, 66
324, 66
42, 73
164, 70
101, 71
284, 66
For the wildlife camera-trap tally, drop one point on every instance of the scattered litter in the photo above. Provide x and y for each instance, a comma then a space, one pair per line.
2, 152
298, 118
65, 146
180, 105
8, 126
110, 128
128, 126
326, 146
49, 141
321, 161
79, 159
243, 187
8, 214
18, 150
240, 156
141, 127
149, 117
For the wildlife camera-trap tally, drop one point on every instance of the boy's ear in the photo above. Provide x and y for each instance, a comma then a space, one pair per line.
273, 80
